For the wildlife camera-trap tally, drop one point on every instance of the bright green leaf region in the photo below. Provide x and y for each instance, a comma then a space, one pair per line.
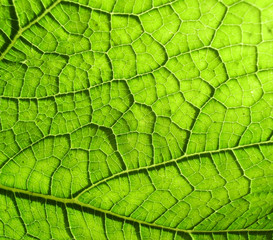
136, 119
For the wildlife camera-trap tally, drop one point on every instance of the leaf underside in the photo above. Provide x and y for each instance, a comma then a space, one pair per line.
144, 119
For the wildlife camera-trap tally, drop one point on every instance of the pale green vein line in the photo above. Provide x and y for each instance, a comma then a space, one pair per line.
22, 30
170, 161
74, 201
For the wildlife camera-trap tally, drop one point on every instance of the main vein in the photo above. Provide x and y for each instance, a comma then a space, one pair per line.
21, 30
74, 201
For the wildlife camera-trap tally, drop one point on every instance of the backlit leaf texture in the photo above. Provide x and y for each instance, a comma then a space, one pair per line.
136, 119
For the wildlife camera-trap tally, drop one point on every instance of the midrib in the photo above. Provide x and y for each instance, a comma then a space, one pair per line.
74, 201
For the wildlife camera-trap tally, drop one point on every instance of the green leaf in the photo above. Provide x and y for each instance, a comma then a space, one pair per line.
136, 119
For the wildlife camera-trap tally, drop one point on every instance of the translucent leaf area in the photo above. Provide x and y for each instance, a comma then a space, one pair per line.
136, 119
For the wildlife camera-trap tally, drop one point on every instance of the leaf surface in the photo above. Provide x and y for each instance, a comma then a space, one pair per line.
136, 119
